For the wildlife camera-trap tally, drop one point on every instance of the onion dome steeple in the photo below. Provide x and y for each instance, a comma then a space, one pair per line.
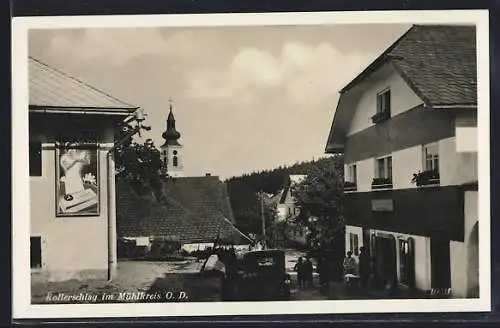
171, 135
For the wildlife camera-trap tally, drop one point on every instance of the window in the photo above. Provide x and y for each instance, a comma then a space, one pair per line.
35, 149
351, 178
384, 167
352, 175
384, 102
383, 173
430, 174
407, 261
36, 252
431, 157
175, 161
383, 107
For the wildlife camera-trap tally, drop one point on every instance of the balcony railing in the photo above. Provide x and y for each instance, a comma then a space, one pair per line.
381, 116
382, 183
426, 178
350, 186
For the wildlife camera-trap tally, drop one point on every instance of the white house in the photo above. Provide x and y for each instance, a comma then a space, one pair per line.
412, 115
72, 188
287, 210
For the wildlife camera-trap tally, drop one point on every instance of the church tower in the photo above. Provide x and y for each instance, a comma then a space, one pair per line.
171, 150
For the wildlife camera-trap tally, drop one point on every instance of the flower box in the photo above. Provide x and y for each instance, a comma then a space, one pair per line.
382, 183
426, 178
350, 186
381, 116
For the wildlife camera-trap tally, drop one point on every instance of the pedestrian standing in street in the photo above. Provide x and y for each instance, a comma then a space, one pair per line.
350, 269
299, 268
364, 267
308, 273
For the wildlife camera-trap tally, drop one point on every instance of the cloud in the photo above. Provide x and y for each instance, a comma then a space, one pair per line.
118, 46
244, 100
300, 73
277, 106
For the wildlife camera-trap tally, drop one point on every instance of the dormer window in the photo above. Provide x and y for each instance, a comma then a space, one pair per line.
383, 106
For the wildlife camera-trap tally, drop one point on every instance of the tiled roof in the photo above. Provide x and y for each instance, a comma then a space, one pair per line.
49, 87
197, 210
437, 61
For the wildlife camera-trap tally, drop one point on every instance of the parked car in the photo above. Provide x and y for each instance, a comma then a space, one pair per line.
261, 275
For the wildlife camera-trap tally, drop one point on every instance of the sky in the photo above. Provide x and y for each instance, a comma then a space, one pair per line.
244, 98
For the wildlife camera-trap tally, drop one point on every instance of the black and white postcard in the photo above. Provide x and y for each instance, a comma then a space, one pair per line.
186, 165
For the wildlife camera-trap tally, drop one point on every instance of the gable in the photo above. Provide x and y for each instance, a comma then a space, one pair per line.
403, 98
437, 62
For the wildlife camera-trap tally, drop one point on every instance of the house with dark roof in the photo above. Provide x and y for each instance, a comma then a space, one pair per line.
194, 214
72, 187
407, 127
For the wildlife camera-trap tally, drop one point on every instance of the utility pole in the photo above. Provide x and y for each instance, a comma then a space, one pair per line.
262, 213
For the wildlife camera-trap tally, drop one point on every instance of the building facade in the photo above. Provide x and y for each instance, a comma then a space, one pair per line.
71, 138
407, 128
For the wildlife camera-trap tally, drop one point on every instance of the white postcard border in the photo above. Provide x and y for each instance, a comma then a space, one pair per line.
22, 308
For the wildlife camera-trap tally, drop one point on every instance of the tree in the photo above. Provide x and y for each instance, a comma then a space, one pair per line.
140, 164
243, 190
320, 199
250, 215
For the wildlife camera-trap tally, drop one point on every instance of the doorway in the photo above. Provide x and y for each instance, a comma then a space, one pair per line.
385, 255
440, 264
36, 252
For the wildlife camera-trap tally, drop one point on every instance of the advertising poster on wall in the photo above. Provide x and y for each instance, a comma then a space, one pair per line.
77, 186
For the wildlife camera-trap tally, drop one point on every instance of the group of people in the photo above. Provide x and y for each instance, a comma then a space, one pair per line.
304, 271
354, 270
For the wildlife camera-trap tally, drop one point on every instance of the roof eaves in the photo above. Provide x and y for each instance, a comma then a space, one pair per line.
68, 76
456, 106
82, 110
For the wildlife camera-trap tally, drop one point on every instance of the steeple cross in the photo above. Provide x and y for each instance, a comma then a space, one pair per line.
170, 101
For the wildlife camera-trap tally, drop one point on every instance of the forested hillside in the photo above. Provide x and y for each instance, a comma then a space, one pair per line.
243, 191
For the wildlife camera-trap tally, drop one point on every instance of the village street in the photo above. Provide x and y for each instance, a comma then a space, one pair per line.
137, 276
134, 277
